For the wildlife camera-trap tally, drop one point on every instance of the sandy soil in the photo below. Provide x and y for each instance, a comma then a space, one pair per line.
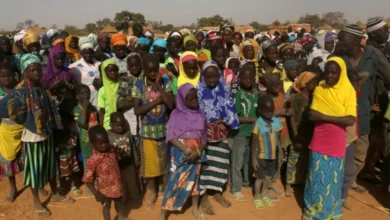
286, 208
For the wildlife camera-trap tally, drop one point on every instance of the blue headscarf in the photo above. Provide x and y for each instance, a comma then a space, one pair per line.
159, 42
142, 41
217, 103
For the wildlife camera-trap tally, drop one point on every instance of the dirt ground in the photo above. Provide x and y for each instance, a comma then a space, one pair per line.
287, 208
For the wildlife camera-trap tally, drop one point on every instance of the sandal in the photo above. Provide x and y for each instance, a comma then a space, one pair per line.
76, 191
221, 200
359, 189
66, 200
238, 196
43, 213
268, 201
258, 203
207, 209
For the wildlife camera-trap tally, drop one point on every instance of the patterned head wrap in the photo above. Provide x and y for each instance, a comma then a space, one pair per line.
28, 59
86, 43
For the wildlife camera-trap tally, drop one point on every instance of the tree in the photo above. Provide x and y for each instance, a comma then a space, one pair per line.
26, 25
129, 17
54, 26
90, 28
215, 20
167, 27
29, 23
71, 29
313, 19
259, 27
334, 19
101, 23
20, 26
155, 24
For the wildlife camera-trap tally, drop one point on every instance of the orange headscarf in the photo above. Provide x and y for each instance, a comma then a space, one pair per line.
303, 79
118, 39
72, 52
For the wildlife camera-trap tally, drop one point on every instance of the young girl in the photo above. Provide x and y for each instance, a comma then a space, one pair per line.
152, 100
245, 100
188, 135
24, 105
219, 57
302, 129
86, 117
233, 63
274, 87
188, 73
333, 109
265, 145
102, 169
216, 100
11, 160
122, 141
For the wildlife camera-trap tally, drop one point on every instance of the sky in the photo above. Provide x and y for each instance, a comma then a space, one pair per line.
181, 12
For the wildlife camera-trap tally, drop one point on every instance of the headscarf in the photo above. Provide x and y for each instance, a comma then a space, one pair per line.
19, 36
228, 60
52, 73
27, 59
217, 103
118, 39
160, 43
190, 38
86, 43
93, 37
148, 34
30, 37
302, 80
290, 64
75, 54
204, 55
264, 46
254, 44
183, 78
110, 87
183, 119
307, 38
142, 41
333, 100
286, 47
324, 38
31, 106
102, 35
51, 32
185, 31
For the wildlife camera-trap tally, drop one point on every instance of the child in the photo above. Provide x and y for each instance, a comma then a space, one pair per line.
11, 160
216, 100
122, 141
152, 100
291, 68
302, 130
264, 153
245, 99
218, 55
233, 63
86, 117
102, 169
274, 87
188, 134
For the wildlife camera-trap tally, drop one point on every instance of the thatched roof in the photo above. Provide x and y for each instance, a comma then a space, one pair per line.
109, 29
146, 28
275, 25
360, 24
388, 21
237, 28
325, 27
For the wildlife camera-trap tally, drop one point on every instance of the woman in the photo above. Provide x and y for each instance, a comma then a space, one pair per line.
249, 50
237, 40
25, 106
269, 60
86, 70
142, 47
333, 109
119, 46
103, 49
216, 100
190, 43
287, 52
326, 45
72, 48
189, 71
187, 133
55, 70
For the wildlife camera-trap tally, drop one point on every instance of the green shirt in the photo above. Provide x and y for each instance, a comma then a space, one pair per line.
174, 87
246, 105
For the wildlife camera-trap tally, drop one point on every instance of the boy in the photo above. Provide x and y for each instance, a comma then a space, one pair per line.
120, 137
102, 168
265, 144
245, 99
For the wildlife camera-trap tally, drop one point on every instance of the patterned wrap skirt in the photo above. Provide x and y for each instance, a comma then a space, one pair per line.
324, 182
297, 166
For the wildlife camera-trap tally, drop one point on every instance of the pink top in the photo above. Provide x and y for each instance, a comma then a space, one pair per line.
329, 139
229, 77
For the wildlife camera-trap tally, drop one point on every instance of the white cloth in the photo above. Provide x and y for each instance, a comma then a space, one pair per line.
122, 64
86, 73
28, 136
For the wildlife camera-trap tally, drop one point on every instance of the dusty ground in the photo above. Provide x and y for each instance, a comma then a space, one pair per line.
286, 208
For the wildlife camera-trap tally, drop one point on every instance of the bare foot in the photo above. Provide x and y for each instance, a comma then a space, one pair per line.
221, 200
149, 203
275, 190
63, 199
12, 195
41, 211
289, 190
43, 192
197, 214
206, 206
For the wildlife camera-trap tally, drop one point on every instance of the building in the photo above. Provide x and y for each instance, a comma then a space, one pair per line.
109, 30
237, 28
325, 27
277, 26
146, 28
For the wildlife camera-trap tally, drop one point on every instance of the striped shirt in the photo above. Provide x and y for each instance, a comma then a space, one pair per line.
268, 137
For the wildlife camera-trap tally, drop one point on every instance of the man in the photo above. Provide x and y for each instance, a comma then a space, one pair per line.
378, 35
361, 60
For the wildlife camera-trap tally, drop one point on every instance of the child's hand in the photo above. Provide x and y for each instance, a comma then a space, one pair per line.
376, 108
315, 116
100, 198
158, 79
194, 156
255, 165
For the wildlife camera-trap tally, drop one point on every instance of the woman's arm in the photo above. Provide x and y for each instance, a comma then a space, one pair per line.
342, 121
245, 120
97, 83
102, 111
126, 104
179, 145
143, 109
167, 97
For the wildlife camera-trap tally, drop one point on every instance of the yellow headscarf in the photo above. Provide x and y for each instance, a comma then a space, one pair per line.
110, 87
190, 38
74, 53
30, 37
339, 100
204, 55
254, 44
183, 78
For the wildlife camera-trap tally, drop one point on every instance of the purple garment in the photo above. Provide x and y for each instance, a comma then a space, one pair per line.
185, 122
52, 74
329, 36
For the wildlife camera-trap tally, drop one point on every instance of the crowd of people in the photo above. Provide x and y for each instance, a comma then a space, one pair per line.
188, 115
